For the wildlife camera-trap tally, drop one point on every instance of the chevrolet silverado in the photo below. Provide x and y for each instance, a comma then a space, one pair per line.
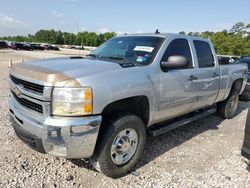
101, 107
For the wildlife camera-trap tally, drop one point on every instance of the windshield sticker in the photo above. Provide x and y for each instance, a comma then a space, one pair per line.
142, 59
144, 48
139, 59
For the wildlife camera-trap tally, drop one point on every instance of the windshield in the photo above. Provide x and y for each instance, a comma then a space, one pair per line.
130, 49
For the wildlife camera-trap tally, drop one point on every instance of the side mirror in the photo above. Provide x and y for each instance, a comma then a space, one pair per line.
174, 62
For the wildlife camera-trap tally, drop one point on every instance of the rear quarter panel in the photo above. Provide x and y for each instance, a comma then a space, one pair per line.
228, 75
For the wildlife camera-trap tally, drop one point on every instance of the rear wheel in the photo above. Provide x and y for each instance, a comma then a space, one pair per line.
227, 109
120, 145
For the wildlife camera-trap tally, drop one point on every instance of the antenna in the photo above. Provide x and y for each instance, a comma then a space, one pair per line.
157, 31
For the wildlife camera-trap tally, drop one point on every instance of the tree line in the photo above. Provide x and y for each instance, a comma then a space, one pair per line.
235, 41
59, 37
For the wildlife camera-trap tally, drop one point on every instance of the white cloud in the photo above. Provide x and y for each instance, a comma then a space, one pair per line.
212, 27
56, 14
103, 30
83, 29
4, 19
69, 1
72, 0
12, 26
219, 26
121, 32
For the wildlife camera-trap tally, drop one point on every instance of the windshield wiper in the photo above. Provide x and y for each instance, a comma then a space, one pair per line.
124, 63
93, 55
115, 58
122, 60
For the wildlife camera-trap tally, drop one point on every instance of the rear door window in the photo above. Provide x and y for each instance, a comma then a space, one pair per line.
204, 54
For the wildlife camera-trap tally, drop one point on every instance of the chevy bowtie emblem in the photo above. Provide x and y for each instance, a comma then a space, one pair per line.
17, 91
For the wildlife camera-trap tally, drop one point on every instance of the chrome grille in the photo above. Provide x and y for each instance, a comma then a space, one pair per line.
28, 85
29, 104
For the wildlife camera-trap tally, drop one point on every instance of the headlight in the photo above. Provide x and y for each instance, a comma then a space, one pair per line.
72, 101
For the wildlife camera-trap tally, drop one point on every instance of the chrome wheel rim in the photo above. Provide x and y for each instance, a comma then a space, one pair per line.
124, 146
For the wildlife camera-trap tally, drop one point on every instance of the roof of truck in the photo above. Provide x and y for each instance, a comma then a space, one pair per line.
163, 35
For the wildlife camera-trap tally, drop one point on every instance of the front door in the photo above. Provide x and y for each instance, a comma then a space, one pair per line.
176, 94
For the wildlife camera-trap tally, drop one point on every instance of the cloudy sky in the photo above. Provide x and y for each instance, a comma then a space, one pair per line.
21, 17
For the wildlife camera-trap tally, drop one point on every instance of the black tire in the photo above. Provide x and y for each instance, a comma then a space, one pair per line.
227, 109
102, 160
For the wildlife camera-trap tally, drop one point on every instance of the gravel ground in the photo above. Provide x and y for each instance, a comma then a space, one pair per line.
205, 153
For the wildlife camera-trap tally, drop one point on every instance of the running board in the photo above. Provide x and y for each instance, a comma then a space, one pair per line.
165, 127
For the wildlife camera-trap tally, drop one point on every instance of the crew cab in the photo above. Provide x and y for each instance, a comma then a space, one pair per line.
101, 107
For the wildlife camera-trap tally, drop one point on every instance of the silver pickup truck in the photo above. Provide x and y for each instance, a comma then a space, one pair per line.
100, 107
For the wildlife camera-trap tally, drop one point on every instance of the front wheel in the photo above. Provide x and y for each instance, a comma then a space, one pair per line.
120, 145
227, 109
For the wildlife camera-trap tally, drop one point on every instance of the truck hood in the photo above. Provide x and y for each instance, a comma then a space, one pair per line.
62, 72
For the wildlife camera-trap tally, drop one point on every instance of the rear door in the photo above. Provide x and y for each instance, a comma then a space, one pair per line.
207, 84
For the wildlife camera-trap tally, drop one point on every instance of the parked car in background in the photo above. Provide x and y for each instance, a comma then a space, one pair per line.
234, 58
37, 47
3, 45
223, 60
76, 47
9, 43
245, 150
246, 93
90, 48
79, 47
21, 46
51, 47
226, 59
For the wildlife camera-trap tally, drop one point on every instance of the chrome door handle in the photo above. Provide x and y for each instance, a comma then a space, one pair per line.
192, 77
215, 75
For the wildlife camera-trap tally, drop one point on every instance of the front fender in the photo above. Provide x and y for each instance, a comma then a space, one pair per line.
109, 87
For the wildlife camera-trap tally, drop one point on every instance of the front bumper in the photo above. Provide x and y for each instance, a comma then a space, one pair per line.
61, 136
